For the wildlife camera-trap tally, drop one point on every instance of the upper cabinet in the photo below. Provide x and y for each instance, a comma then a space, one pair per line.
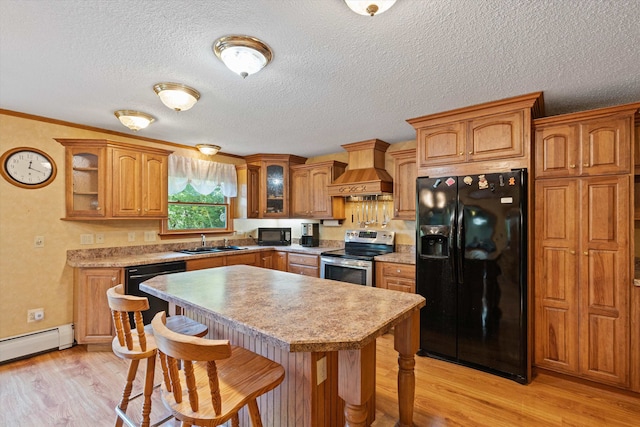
309, 192
584, 144
110, 180
273, 184
636, 145
486, 132
404, 184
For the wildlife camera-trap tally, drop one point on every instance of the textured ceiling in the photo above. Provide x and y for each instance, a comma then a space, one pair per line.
336, 77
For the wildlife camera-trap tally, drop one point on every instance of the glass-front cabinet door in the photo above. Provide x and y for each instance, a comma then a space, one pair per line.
275, 191
85, 172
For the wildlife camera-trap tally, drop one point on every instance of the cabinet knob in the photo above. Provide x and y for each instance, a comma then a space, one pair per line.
586, 165
586, 253
470, 152
398, 271
572, 166
460, 153
138, 209
113, 279
572, 252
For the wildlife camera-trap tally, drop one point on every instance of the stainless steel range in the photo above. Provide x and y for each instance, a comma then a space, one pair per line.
354, 263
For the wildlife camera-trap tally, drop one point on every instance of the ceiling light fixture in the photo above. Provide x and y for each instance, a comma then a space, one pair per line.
369, 7
134, 120
243, 55
177, 96
208, 149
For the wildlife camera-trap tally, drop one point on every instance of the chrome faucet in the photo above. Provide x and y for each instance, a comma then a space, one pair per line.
225, 242
204, 242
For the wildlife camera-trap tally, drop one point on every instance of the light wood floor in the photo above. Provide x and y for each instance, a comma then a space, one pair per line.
78, 388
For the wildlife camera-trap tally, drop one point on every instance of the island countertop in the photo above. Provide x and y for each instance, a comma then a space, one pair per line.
290, 311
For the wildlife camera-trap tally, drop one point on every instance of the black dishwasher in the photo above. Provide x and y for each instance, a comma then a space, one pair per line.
138, 274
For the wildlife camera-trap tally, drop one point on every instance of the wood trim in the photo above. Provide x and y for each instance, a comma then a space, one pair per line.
101, 130
626, 109
534, 101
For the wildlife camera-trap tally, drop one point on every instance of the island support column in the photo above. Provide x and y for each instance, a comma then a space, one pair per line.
406, 342
356, 384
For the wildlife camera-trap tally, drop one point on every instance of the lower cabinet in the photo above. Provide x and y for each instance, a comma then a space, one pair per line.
202, 263
244, 259
307, 265
397, 277
92, 319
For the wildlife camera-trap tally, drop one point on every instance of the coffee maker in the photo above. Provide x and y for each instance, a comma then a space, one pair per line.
310, 234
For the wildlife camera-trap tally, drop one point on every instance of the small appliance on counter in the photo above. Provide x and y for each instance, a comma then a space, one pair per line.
274, 236
310, 234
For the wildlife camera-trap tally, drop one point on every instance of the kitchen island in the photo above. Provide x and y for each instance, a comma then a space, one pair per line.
323, 332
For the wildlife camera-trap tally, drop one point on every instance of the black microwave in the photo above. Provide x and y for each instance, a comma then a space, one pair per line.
273, 236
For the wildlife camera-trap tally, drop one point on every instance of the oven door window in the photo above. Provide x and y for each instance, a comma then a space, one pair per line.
345, 274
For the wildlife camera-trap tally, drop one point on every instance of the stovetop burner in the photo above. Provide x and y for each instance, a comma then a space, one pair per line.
364, 245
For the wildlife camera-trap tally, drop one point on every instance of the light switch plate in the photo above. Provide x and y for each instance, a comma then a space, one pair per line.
149, 236
99, 237
86, 239
132, 236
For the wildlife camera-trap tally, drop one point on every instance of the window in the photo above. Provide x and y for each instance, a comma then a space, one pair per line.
200, 196
190, 210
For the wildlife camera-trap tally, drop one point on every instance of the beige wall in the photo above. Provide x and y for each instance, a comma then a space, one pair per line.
39, 277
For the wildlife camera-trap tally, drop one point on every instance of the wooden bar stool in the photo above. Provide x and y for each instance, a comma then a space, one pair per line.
140, 345
211, 393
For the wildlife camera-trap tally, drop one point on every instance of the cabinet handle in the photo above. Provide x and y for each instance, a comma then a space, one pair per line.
572, 166
138, 209
98, 208
113, 279
460, 153
572, 252
398, 271
470, 152
586, 253
586, 165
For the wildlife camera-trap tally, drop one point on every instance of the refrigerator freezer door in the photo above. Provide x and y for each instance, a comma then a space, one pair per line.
491, 322
436, 280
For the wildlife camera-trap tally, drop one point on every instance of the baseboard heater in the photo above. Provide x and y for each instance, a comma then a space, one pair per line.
25, 345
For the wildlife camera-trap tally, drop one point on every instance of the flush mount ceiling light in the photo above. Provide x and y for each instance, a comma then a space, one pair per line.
177, 96
243, 55
369, 7
208, 149
134, 120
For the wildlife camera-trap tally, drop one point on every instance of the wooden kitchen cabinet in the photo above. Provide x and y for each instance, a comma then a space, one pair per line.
395, 276
202, 263
307, 265
253, 191
273, 186
274, 260
485, 132
584, 147
404, 184
113, 180
636, 144
252, 258
582, 260
140, 182
309, 192
92, 319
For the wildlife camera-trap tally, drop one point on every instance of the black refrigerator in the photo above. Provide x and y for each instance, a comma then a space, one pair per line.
471, 255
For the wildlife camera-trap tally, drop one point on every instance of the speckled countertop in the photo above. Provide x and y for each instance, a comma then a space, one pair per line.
290, 311
126, 257
398, 257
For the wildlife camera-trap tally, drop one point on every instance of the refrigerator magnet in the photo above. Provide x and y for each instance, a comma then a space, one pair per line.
482, 182
450, 181
467, 180
512, 181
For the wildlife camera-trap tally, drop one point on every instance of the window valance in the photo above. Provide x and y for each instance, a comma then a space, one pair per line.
203, 175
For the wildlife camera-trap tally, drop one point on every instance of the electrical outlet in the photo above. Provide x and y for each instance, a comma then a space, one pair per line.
86, 239
38, 242
99, 237
149, 236
35, 315
132, 236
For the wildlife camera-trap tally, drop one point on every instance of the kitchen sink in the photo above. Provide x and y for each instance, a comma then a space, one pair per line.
210, 249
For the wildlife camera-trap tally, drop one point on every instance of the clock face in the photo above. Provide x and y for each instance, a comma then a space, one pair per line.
28, 167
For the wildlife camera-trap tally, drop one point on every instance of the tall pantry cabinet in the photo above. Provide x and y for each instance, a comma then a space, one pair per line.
583, 245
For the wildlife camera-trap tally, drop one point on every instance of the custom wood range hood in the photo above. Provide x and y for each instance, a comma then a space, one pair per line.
365, 174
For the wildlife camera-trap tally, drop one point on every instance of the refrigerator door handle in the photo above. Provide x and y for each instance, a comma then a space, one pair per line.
451, 243
460, 242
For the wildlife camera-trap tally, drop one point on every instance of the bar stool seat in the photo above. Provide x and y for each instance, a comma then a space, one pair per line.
140, 345
216, 381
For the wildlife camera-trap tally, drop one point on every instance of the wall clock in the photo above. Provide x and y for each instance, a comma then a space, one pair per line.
27, 167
